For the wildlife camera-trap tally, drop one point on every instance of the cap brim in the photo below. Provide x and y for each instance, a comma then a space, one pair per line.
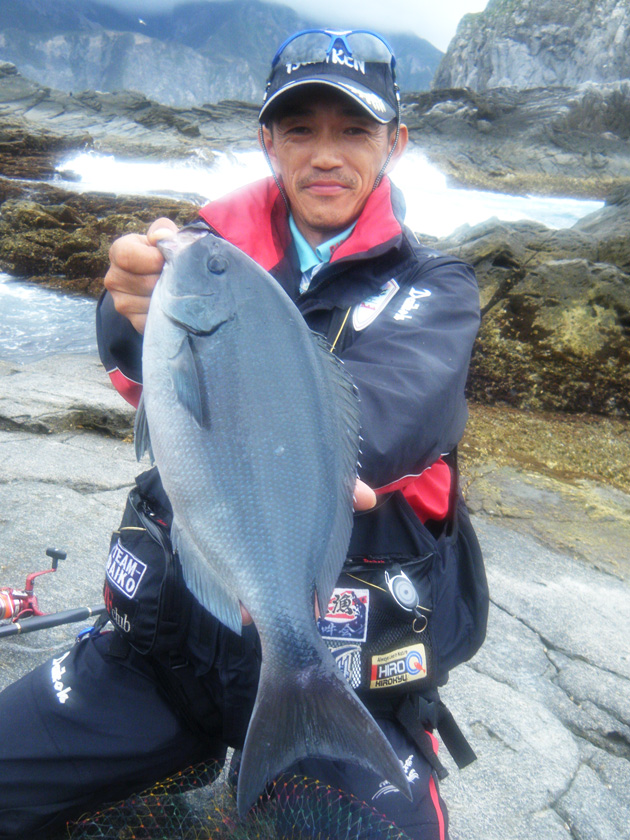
376, 106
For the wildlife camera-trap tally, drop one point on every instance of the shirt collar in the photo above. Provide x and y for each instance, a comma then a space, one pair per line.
309, 257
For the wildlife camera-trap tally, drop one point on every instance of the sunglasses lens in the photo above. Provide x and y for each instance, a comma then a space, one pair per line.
317, 46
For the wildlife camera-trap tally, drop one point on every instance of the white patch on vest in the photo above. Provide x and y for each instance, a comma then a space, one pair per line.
124, 570
366, 312
56, 673
411, 304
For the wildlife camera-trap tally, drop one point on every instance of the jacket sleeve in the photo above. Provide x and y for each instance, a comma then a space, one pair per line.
120, 349
410, 367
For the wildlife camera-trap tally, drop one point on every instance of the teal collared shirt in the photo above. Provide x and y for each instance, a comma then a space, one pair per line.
312, 260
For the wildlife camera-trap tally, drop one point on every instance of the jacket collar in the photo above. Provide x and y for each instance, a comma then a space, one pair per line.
254, 218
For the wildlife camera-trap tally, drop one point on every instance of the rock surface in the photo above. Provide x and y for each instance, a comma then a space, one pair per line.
545, 703
548, 141
555, 312
539, 43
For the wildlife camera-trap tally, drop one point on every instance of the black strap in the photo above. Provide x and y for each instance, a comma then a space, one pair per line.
416, 712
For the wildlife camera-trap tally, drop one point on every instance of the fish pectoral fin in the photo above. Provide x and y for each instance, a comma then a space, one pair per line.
185, 377
204, 583
141, 436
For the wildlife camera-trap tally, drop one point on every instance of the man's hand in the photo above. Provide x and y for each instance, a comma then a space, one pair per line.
364, 498
135, 265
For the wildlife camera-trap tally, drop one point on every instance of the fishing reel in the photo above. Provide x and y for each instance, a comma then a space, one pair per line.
18, 603
406, 596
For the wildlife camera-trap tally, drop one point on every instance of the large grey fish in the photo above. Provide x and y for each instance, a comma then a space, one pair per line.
253, 425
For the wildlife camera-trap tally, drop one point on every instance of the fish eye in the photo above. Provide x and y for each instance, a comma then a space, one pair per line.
217, 265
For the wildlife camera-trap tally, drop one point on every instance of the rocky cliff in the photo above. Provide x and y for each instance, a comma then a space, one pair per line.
539, 43
197, 53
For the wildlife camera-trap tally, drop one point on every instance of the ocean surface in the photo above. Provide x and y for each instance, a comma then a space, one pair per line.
37, 322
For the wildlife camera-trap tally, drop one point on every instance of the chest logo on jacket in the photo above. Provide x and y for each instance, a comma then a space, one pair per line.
411, 304
365, 312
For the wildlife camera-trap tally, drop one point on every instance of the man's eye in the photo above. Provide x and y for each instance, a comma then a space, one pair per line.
298, 129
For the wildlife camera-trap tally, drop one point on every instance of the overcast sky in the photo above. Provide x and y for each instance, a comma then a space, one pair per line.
431, 19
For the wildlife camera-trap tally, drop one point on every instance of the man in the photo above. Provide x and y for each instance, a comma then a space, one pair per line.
172, 686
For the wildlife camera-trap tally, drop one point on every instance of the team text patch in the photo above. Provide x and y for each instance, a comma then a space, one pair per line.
347, 616
400, 666
124, 571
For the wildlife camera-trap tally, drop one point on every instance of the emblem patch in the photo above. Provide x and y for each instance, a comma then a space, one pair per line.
347, 616
124, 571
400, 666
367, 311
348, 659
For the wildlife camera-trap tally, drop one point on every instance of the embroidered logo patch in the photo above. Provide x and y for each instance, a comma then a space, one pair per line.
400, 666
367, 311
347, 616
124, 571
348, 659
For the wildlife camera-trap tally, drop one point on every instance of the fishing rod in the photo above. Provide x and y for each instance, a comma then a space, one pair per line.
20, 611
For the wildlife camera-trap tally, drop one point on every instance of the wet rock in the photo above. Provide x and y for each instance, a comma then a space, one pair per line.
62, 239
556, 312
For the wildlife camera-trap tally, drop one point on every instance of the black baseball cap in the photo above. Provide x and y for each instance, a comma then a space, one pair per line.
358, 63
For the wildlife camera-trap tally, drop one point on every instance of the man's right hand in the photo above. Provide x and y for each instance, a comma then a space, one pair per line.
135, 265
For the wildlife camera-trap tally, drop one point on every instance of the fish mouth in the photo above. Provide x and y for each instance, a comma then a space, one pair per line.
194, 314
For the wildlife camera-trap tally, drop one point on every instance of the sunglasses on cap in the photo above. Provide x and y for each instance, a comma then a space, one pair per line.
317, 46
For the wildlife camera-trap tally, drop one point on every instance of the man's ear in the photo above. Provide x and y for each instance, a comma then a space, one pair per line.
401, 145
265, 138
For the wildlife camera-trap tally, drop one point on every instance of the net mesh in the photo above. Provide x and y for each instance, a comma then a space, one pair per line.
200, 804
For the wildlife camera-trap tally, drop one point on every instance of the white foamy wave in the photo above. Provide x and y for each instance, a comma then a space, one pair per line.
199, 176
437, 209
433, 207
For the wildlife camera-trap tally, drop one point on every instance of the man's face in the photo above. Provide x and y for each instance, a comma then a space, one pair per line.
328, 153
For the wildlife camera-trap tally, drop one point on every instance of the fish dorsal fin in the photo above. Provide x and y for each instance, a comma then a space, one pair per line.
185, 377
204, 582
345, 411
141, 436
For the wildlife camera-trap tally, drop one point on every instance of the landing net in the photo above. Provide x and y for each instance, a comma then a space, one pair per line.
199, 804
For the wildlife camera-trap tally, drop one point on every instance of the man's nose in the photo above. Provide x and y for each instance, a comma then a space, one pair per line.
326, 153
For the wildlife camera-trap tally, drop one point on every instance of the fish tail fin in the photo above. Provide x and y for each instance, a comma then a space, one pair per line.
314, 715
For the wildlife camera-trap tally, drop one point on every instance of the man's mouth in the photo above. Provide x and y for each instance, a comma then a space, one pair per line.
326, 187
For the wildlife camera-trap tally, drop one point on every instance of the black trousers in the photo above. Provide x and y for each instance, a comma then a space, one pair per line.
92, 726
